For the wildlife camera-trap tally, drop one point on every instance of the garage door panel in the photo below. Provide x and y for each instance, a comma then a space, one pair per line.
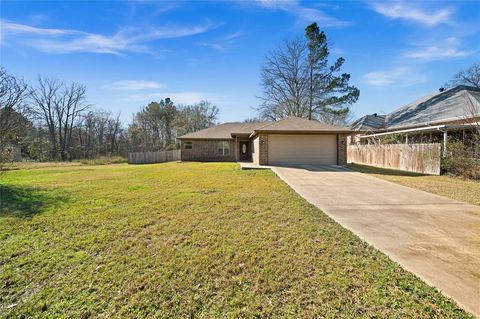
302, 149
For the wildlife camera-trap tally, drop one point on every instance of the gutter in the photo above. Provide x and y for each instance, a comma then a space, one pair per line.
441, 128
431, 123
305, 132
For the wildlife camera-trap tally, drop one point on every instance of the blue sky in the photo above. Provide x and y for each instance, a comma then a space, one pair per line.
133, 52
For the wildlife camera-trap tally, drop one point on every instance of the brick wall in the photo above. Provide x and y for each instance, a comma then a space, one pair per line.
263, 149
206, 151
342, 149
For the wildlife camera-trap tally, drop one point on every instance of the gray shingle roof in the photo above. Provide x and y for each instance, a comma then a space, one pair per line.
224, 131
443, 106
297, 124
446, 105
369, 123
287, 125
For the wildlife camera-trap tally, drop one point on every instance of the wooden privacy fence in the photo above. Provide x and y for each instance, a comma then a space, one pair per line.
153, 157
418, 158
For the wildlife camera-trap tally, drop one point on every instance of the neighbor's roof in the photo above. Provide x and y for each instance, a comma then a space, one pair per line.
224, 131
447, 105
288, 125
297, 124
368, 123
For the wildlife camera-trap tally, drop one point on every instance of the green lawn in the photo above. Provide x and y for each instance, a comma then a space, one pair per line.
182, 240
453, 187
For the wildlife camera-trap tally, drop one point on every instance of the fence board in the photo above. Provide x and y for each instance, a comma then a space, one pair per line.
418, 158
153, 157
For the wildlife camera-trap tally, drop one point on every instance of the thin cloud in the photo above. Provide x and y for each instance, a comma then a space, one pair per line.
438, 53
405, 11
234, 35
212, 45
450, 48
220, 44
305, 14
400, 76
22, 28
127, 39
134, 85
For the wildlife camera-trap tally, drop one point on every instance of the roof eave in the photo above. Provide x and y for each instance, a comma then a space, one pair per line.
204, 138
430, 123
345, 131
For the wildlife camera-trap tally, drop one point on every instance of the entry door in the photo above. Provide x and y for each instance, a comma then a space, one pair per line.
244, 150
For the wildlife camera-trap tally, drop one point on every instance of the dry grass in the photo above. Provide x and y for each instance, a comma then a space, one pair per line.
464, 190
102, 160
32, 165
188, 240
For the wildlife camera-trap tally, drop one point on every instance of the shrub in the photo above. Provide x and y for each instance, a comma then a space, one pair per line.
461, 161
104, 160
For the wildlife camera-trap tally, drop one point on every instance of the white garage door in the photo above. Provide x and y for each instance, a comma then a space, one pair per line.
302, 149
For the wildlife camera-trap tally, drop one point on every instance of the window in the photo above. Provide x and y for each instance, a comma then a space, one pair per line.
188, 145
223, 148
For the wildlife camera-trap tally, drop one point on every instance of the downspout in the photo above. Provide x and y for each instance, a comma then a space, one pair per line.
445, 143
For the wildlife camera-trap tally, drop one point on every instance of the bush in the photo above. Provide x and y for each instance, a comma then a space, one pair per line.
104, 160
461, 161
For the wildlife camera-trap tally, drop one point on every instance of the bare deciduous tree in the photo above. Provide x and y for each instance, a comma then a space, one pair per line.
469, 76
43, 106
57, 107
69, 106
13, 92
98, 134
284, 81
192, 118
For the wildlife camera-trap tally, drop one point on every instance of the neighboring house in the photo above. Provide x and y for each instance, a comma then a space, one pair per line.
431, 118
289, 141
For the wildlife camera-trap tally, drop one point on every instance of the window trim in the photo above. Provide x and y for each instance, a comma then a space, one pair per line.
223, 148
188, 145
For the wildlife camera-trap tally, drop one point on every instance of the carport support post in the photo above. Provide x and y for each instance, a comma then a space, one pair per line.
445, 143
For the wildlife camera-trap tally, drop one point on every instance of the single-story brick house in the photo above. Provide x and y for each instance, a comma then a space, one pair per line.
289, 141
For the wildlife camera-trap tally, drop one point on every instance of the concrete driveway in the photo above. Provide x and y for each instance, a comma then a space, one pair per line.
434, 237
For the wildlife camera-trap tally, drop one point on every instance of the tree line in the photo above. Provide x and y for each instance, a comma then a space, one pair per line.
52, 120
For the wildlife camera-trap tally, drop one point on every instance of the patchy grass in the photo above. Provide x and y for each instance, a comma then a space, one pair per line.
102, 160
464, 190
181, 240
32, 165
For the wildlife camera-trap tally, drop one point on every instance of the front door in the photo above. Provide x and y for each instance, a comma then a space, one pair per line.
244, 151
